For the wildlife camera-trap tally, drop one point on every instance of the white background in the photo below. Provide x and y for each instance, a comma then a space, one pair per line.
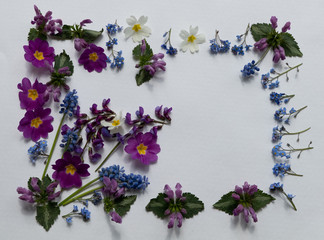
220, 135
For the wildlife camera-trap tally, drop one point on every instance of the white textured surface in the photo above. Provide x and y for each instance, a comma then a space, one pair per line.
221, 130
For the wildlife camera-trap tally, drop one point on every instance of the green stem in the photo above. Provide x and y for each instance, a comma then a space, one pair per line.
79, 190
287, 96
103, 162
298, 111
295, 133
80, 196
297, 149
263, 55
291, 202
285, 72
294, 174
53, 146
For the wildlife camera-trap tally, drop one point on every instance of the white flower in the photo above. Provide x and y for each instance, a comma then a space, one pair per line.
116, 124
137, 30
191, 39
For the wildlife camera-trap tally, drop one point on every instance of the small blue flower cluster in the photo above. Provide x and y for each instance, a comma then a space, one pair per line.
277, 98
38, 149
267, 81
169, 50
280, 113
113, 28
219, 48
117, 61
277, 150
71, 137
276, 186
249, 69
277, 133
239, 50
84, 213
111, 43
69, 104
280, 169
129, 181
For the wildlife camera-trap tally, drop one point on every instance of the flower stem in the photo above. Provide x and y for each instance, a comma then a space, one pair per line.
298, 111
78, 191
263, 56
294, 174
285, 72
53, 146
296, 133
103, 162
80, 196
289, 199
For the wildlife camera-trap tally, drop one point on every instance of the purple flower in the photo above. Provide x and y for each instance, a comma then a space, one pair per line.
242, 195
38, 53
69, 170
31, 96
261, 44
84, 22
274, 21
156, 64
36, 124
93, 58
54, 26
143, 147
279, 53
286, 27
115, 217
80, 43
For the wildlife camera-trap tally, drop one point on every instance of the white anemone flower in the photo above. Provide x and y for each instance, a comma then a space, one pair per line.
137, 30
116, 124
191, 39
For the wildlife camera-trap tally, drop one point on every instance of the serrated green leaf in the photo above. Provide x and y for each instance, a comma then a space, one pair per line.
290, 45
34, 33
90, 35
261, 30
65, 34
63, 60
30, 186
137, 52
227, 203
46, 181
192, 205
260, 200
158, 205
123, 204
47, 214
142, 77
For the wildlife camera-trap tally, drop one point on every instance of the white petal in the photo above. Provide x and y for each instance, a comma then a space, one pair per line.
200, 38
142, 20
193, 31
128, 32
184, 35
184, 46
106, 124
137, 37
145, 31
193, 48
131, 21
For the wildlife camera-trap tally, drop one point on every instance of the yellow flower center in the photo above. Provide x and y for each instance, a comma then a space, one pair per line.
33, 94
115, 123
191, 38
137, 27
39, 55
36, 122
70, 169
141, 149
93, 56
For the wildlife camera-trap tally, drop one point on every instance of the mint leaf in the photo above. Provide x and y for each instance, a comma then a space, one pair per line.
260, 200
142, 77
63, 60
47, 214
90, 35
34, 33
227, 203
123, 204
290, 45
261, 30
65, 34
158, 205
192, 204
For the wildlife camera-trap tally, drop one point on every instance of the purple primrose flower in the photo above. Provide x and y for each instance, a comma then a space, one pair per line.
93, 58
38, 53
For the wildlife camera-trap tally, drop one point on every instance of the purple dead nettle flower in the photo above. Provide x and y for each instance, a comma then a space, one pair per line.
243, 195
35, 194
38, 53
80, 43
111, 191
46, 22
36, 124
31, 96
93, 58
157, 63
69, 170
175, 209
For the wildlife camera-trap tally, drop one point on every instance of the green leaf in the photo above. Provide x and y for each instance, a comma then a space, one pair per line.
47, 214
290, 45
158, 205
123, 204
260, 200
30, 186
63, 60
90, 35
65, 34
142, 77
34, 33
137, 53
227, 203
46, 181
261, 30
192, 204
